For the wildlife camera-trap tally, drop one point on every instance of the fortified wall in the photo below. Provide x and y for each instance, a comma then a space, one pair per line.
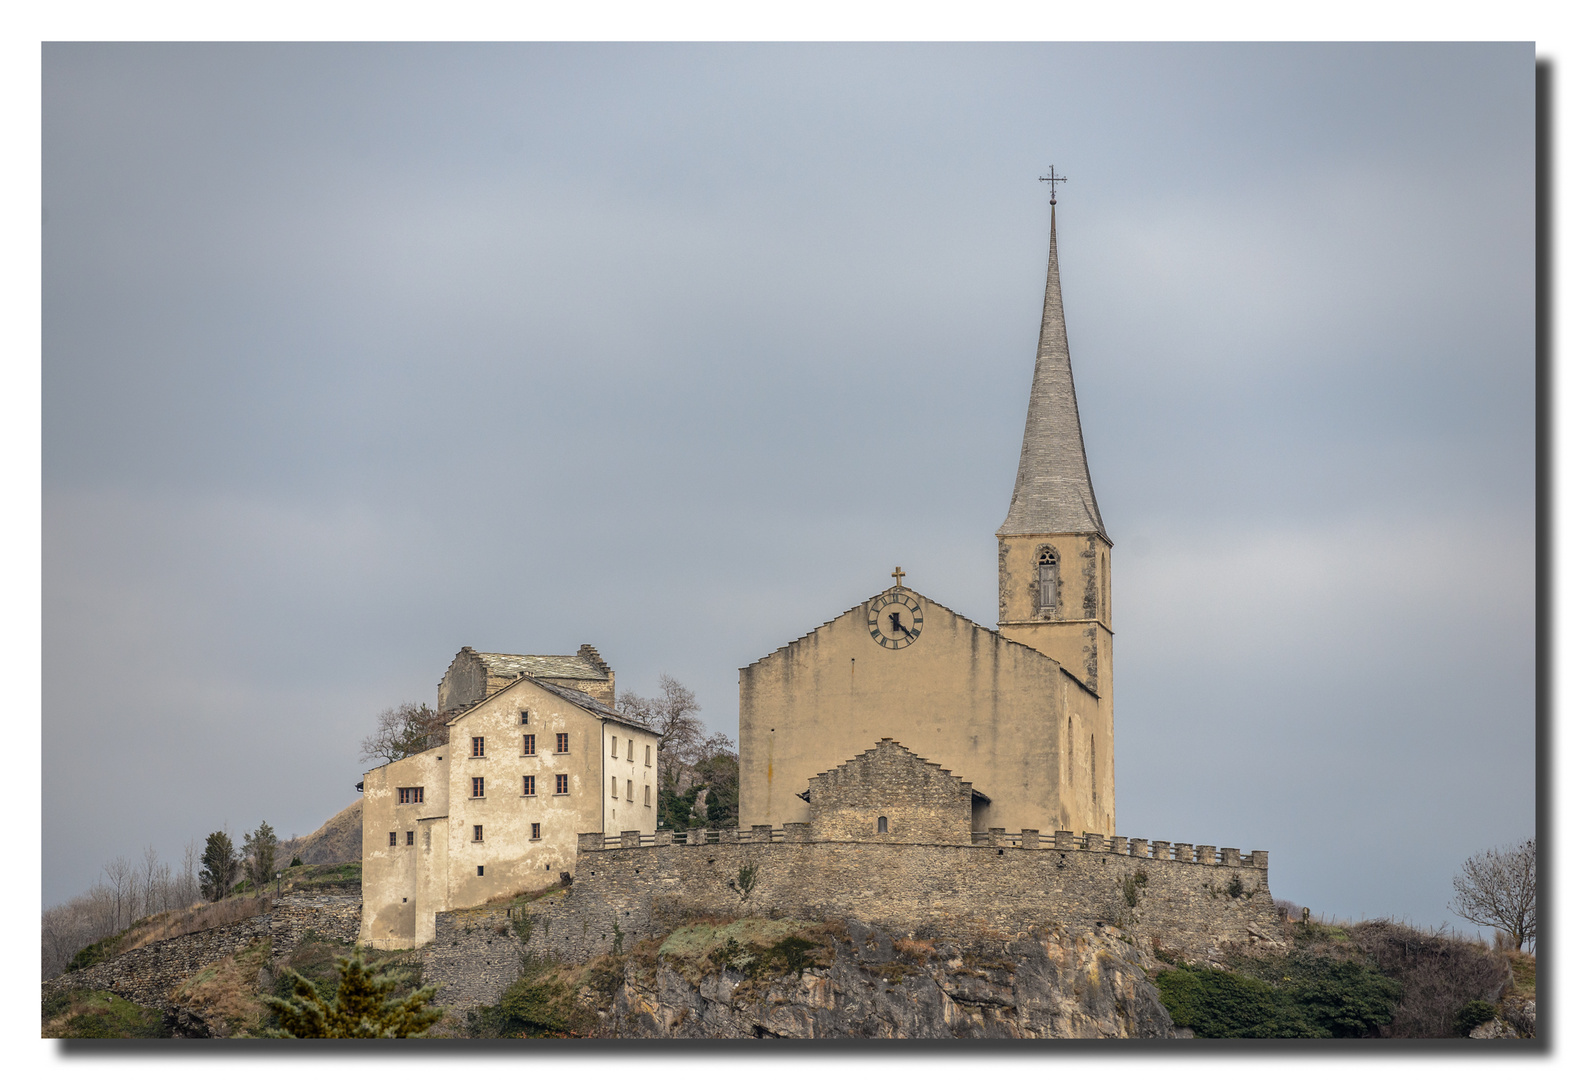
889, 842
1192, 901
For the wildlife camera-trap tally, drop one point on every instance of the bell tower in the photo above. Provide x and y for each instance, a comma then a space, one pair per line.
1054, 562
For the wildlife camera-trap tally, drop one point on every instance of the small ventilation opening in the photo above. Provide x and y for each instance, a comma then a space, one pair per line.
881, 824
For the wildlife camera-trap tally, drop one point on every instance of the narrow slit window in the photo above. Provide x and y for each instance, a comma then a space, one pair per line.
648, 755
881, 824
615, 747
613, 788
648, 794
632, 749
629, 791
478, 871
1093, 786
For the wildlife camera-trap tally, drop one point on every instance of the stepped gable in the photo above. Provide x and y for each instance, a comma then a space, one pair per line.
890, 794
1052, 492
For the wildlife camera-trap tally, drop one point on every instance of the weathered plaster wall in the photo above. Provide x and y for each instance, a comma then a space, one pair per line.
407, 885
989, 709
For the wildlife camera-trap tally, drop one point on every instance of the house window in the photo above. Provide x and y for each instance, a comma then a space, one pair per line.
629, 791
536, 830
478, 871
561, 743
648, 756
632, 749
615, 747
410, 839
529, 745
528, 785
393, 839
561, 784
648, 794
1046, 561
476, 834
525, 716
410, 795
881, 824
613, 788
476, 747
476, 787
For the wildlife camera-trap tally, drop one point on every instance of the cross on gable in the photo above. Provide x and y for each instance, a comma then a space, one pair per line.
898, 575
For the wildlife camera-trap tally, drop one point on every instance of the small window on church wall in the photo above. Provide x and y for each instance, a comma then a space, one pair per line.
476, 746
881, 824
1046, 565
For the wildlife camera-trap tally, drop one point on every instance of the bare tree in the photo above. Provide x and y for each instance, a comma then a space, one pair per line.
1499, 888
123, 886
676, 717
405, 729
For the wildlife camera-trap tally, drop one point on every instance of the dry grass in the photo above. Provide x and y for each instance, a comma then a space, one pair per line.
226, 993
918, 950
200, 916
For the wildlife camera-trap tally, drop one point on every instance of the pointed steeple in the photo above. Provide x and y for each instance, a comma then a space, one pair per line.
1053, 493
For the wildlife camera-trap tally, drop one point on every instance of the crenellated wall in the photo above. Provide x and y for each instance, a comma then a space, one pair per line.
1193, 901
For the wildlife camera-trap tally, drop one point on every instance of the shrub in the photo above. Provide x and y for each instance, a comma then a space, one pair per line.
1439, 974
1471, 1016
1311, 998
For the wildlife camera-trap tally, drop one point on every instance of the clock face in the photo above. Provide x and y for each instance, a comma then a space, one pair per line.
895, 619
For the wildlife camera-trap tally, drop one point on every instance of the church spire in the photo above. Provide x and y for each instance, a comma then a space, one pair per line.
1053, 493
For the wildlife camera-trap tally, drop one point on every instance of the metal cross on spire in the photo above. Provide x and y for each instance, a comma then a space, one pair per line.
1053, 179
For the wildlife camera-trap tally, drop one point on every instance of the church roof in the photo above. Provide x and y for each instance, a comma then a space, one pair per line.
1052, 493
510, 665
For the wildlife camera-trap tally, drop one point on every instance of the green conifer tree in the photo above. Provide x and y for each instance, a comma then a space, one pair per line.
361, 1008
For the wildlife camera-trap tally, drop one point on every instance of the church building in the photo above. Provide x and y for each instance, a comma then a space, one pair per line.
1020, 715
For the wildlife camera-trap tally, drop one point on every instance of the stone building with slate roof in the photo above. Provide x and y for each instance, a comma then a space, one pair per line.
1024, 711
536, 755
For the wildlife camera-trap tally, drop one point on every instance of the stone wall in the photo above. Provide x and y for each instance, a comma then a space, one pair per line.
473, 958
148, 975
890, 786
1192, 902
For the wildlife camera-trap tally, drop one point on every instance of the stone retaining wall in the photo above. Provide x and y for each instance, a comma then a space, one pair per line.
149, 974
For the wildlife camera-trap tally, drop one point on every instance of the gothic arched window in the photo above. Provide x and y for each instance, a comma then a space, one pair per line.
1046, 565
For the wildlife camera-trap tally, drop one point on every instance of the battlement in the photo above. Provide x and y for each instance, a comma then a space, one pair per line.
798, 832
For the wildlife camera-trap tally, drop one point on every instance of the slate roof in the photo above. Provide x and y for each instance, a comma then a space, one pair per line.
593, 706
1053, 493
542, 667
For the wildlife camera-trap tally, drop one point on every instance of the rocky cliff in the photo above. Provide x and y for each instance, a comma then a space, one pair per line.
759, 979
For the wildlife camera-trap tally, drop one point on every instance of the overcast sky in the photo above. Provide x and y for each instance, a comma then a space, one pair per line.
356, 355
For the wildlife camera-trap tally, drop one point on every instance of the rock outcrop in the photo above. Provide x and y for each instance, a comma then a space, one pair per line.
859, 982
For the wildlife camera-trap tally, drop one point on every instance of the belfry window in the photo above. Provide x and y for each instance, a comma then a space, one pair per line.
1046, 565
